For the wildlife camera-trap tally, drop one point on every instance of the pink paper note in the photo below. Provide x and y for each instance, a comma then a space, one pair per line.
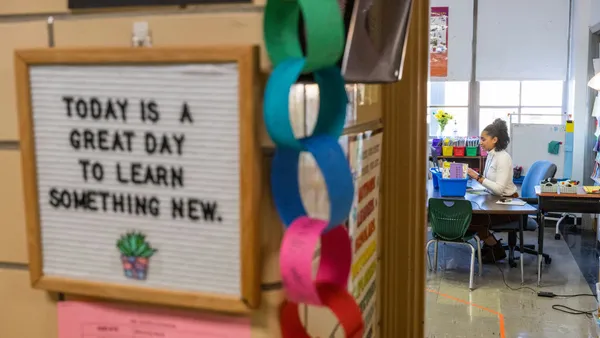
102, 320
296, 258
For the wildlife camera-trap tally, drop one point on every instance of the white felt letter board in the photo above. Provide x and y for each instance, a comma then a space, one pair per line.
141, 173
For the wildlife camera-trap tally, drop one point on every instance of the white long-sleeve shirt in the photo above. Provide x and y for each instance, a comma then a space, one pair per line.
498, 174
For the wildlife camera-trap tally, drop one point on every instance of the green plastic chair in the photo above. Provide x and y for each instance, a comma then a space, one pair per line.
449, 220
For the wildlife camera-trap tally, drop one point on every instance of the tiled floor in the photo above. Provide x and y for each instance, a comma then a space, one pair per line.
584, 248
493, 310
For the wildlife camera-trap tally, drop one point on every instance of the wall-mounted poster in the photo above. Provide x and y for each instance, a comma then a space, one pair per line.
438, 42
81, 4
106, 320
365, 156
141, 173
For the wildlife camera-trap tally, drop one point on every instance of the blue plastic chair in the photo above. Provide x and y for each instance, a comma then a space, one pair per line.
538, 172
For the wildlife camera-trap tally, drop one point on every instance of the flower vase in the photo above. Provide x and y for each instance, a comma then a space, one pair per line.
440, 132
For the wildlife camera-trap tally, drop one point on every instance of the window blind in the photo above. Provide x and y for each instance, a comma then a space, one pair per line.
522, 40
460, 38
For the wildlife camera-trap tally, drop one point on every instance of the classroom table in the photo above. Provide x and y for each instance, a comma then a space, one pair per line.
580, 203
486, 204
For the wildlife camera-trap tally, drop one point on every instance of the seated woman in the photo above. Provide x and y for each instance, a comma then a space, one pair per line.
497, 178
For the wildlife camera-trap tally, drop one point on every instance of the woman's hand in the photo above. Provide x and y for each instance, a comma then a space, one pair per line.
473, 174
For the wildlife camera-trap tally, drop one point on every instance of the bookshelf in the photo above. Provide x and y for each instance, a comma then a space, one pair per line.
477, 163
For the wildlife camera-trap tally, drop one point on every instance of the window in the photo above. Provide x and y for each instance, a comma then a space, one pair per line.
539, 102
542, 93
453, 97
499, 93
488, 115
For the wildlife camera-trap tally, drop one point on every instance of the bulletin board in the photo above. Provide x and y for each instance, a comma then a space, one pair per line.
142, 175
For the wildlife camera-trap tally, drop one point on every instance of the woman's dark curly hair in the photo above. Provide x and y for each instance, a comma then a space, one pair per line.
499, 129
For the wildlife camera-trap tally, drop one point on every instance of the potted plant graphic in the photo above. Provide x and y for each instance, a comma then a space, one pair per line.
135, 254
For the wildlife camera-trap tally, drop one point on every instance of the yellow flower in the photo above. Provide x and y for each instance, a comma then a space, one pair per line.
443, 116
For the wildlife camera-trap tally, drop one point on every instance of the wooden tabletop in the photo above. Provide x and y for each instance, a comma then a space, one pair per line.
580, 194
484, 203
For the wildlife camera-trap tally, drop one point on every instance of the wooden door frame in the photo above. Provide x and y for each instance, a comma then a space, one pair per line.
403, 188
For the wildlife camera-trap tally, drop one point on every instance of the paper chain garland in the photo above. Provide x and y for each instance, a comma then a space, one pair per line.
324, 46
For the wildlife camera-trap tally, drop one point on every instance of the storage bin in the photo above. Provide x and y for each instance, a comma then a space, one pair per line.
568, 189
452, 187
482, 151
436, 147
435, 175
459, 151
447, 150
549, 187
471, 151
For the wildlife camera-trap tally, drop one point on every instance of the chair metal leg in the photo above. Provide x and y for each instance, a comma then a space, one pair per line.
428, 257
560, 220
434, 265
478, 241
472, 270
531, 250
435, 255
557, 231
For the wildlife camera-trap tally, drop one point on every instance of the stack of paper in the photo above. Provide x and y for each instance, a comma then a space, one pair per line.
511, 201
455, 170
592, 189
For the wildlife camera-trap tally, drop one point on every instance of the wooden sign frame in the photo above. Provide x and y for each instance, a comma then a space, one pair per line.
87, 4
246, 58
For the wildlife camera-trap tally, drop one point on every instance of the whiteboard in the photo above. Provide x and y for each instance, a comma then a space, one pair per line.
529, 143
138, 177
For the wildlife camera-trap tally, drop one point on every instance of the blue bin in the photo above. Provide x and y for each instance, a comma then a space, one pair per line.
453, 187
435, 176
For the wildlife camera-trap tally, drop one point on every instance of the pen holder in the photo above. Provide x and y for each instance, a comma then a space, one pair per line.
471, 151
447, 150
459, 151
517, 172
482, 151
